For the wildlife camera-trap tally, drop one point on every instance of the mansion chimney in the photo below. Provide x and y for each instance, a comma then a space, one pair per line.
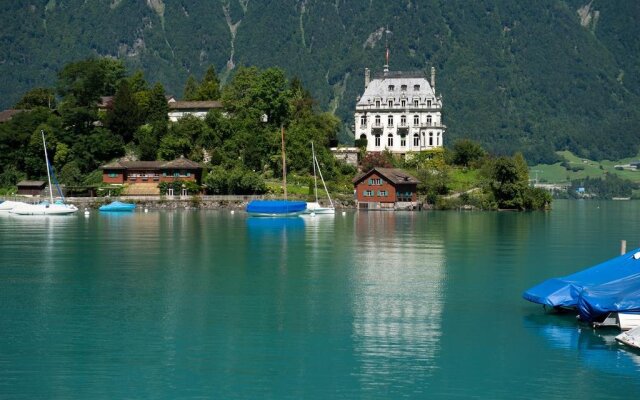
433, 79
367, 77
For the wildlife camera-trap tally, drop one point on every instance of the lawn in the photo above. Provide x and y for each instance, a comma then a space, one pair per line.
556, 173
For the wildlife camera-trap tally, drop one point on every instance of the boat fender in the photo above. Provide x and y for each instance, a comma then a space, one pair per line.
636, 256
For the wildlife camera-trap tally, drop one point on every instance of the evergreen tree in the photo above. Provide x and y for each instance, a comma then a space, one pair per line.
124, 118
210, 87
190, 89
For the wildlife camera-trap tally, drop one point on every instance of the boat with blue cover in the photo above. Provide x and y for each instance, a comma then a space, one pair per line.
118, 206
276, 208
564, 292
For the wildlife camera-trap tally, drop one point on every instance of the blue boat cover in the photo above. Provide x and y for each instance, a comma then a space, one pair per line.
564, 291
621, 295
117, 206
276, 207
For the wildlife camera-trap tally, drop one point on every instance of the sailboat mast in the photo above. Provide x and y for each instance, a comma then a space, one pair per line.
323, 183
284, 164
315, 179
46, 157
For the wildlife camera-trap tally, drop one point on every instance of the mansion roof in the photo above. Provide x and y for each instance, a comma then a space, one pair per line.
397, 85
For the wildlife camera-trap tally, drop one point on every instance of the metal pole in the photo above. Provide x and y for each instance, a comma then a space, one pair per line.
46, 158
284, 164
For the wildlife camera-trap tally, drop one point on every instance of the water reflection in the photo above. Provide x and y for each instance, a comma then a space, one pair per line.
596, 349
397, 301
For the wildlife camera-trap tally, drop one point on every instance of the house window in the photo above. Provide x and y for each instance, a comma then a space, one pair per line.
416, 140
363, 120
430, 138
390, 103
429, 120
403, 88
403, 103
112, 175
377, 120
390, 140
367, 193
377, 141
403, 141
382, 193
176, 174
403, 120
416, 120
377, 103
390, 120
415, 103
416, 88
429, 103
391, 88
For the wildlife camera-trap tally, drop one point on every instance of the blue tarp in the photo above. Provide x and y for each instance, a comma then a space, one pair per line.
276, 207
118, 206
622, 295
564, 291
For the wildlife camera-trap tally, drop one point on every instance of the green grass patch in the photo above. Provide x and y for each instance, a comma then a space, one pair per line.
580, 168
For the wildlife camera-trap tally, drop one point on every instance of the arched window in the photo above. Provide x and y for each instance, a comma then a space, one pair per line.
377, 120
416, 140
377, 141
430, 138
416, 120
363, 120
390, 140
390, 120
363, 137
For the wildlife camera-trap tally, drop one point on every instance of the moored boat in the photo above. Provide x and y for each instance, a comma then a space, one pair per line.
630, 338
118, 206
8, 205
44, 208
276, 208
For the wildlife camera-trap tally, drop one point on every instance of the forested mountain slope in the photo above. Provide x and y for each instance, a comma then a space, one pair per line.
530, 76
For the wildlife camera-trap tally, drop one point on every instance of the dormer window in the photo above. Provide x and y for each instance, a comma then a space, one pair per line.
429, 103
403, 88
416, 88
403, 103
415, 103
377, 103
390, 103
392, 88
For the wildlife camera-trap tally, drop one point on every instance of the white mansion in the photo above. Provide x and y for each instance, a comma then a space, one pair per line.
399, 111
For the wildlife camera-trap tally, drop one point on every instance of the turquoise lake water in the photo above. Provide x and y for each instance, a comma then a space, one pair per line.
209, 304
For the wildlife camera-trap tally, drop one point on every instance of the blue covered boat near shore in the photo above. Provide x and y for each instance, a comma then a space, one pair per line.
619, 273
118, 206
276, 208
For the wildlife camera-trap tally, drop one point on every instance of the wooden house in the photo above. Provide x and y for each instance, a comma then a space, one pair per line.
132, 172
386, 189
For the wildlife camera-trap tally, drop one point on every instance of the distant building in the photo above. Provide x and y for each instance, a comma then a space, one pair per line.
6, 115
179, 109
133, 172
399, 111
349, 155
386, 189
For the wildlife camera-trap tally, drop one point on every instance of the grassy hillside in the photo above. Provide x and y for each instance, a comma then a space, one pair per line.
580, 168
530, 76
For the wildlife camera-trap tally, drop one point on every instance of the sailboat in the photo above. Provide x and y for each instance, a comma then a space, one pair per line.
277, 208
47, 207
315, 207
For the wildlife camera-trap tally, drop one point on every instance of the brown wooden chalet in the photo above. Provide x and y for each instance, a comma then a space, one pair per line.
31, 188
180, 169
386, 189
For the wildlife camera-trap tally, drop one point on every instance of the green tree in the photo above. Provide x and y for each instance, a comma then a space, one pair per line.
190, 92
124, 117
209, 89
147, 143
38, 97
466, 152
81, 83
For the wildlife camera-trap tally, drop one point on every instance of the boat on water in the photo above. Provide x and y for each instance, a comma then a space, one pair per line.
50, 207
315, 207
630, 338
624, 321
277, 208
118, 206
8, 205
622, 295
564, 292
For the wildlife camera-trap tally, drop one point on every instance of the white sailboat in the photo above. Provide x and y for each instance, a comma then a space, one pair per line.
9, 205
47, 207
315, 207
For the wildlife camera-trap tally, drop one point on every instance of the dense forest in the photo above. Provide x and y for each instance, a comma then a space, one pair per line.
529, 76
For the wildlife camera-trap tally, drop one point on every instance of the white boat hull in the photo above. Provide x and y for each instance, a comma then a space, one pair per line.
44, 209
630, 338
628, 321
318, 209
8, 205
